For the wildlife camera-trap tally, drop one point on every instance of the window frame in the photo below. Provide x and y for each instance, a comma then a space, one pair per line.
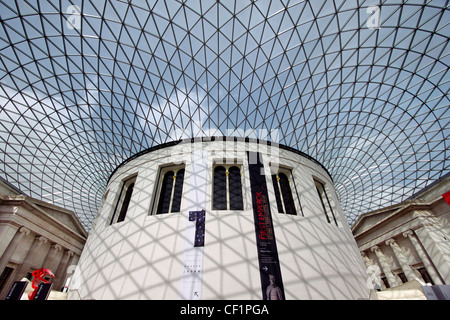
424, 274
275, 171
125, 184
319, 183
162, 170
227, 165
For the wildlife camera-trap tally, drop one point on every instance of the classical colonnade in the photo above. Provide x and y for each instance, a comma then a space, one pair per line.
403, 258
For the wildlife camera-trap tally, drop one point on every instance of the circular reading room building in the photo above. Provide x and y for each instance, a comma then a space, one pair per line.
220, 218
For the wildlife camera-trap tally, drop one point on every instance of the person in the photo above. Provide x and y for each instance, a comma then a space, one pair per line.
273, 291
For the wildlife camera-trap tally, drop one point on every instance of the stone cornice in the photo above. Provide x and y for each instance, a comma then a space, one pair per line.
415, 222
404, 209
32, 205
25, 213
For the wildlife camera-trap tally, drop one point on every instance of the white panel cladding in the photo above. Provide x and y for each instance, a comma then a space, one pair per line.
141, 257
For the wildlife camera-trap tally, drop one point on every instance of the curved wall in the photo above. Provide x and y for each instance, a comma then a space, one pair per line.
139, 248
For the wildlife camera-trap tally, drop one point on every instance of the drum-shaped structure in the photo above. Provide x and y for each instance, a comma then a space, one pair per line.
220, 218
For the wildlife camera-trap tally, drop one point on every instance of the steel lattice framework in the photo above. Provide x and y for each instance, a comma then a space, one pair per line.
86, 84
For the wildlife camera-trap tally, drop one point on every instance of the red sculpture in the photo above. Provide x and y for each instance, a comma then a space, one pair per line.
39, 277
446, 197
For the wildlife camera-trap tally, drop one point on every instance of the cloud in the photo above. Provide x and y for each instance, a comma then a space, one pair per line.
181, 115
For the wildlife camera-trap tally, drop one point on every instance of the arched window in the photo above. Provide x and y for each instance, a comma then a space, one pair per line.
170, 190
126, 202
165, 193
325, 201
235, 188
178, 191
227, 188
220, 189
123, 201
286, 192
283, 192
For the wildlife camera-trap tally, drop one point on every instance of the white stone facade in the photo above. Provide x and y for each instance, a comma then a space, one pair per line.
33, 235
409, 241
143, 255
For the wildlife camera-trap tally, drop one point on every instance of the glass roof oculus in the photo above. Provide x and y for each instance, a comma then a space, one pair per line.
361, 86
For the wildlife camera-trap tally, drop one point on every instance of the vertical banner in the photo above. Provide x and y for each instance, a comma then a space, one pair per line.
191, 281
199, 218
269, 266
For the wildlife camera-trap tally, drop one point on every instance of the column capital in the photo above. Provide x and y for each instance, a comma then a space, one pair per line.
57, 247
390, 242
41, 239
24, 230
385, 266
69, 253
408, 234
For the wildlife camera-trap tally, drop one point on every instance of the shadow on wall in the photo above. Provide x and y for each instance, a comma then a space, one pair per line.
142, 256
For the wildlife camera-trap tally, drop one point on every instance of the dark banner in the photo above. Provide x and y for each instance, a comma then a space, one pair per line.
16, 291
269, 266
43, 291
199, 218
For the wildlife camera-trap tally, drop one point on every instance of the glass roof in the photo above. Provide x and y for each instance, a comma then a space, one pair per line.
361, 86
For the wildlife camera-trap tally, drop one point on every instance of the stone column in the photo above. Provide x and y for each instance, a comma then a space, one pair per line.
370, 266
7, 233
61, 272
366, 259
31, 254
70, 272
12, 247
423, 256
433, 237
403, 261
390, 276
51, 261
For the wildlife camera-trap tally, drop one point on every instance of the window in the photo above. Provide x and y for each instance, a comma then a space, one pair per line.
325, 201
170, 190
227, 188
402, 277
123, 201
425, 276
220, 189
283, 192
5, 276
386, 283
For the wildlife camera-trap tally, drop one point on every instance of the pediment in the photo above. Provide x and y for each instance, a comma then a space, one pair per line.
370, 219
65, 217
